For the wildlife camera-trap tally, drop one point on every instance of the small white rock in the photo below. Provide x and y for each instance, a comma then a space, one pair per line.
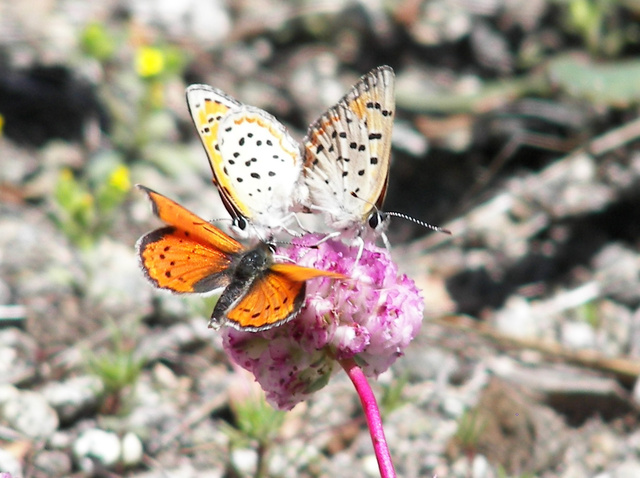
578, 335
370, 465
244, 460
10, 464
132, 449
74, 396
628, 469
7, 392
99, 445
480, 468
30, 414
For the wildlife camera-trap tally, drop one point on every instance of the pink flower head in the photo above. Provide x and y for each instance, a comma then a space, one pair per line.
371, 318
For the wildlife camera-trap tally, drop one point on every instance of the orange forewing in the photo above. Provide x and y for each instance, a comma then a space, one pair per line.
197, 228
189, 256
173, 260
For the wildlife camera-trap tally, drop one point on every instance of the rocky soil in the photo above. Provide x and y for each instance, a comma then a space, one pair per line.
517, 129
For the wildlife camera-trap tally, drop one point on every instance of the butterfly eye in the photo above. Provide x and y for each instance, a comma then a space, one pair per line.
240, 222
375, 220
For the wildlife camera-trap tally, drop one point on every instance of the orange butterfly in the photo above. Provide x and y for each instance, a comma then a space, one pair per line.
191, 255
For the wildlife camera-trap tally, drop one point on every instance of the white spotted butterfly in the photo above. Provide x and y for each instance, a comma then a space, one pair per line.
256, 164
348, 154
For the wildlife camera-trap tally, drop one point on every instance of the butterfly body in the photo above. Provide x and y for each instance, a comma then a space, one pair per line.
256, 164
190, 255
348, 154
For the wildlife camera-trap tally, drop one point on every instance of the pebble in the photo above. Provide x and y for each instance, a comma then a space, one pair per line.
516, 319
55, 463
17, 356
480, 467
208, 22
578, 335
244, 460
132, 449
96, 444
116, 282
628, 469
30, 414
74, 397
9, 464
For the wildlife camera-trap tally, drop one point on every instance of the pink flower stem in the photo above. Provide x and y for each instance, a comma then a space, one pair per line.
372, 412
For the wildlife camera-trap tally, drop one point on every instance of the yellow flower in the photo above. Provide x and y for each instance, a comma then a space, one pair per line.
1, 124
149, 61
119, 178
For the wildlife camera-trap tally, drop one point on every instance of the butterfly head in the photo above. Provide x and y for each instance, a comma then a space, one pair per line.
241, 228
378, 221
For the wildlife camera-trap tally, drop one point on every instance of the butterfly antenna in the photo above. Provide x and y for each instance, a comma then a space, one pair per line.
222, 219
419, 222
404, 216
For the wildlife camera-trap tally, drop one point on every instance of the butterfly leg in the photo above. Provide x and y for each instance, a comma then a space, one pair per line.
360, 242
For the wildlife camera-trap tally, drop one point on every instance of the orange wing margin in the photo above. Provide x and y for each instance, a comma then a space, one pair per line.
194, 227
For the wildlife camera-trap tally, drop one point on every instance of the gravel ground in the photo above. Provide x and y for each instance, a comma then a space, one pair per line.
516, 129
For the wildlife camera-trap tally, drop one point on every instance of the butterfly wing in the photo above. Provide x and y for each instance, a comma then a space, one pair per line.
260, 167
255, 163
274, 297
348, 152
207, 107
190, 255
